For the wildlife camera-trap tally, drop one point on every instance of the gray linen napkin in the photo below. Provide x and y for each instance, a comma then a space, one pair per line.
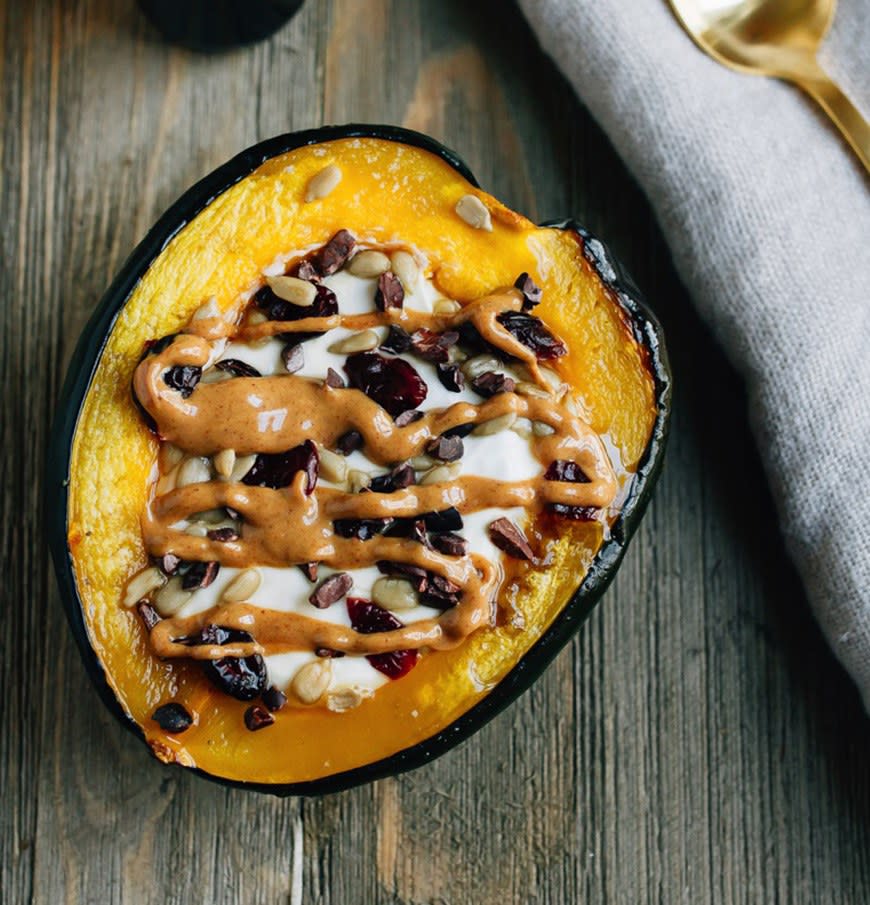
767, 215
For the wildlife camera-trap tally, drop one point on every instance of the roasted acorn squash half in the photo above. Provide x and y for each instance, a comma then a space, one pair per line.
394, 190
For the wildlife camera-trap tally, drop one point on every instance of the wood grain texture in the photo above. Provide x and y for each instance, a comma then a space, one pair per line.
696, 743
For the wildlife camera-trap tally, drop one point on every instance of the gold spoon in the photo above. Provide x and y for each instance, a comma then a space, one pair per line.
779, 38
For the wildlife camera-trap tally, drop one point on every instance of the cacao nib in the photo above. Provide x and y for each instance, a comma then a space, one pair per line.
237, 368
461, 430
368, 618
276, 470
156, 346
334, 379
243, 678
309, 570
334, 254
391, 382
183, 378
397, 341
575, 513
328, 653
445, 520
274, 698
531, 291
533, 334
172, 717
304, 270
149, 616
408, 417
508, 537
451, 377
293, 357
400, 477
223, 534
441, 592
447, 449
433, 346
416, 575
361, 529
565, 470
349, 442
331, 590
199, 575
277, 309
491, 383
472, 341
450, 544
257, 717
411, 528
390, 293
169, 563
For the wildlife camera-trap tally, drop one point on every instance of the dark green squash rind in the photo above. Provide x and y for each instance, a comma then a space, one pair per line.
87, 355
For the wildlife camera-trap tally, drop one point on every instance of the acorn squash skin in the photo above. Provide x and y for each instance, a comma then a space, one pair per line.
644, 328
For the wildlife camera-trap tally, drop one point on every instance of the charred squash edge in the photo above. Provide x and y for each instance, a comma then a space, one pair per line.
645, 328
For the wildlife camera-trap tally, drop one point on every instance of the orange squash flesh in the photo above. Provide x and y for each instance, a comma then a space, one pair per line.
390, 193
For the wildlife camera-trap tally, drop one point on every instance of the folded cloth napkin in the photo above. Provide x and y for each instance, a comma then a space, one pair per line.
767, 214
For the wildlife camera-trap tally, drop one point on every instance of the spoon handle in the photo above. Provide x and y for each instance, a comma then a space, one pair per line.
844, 114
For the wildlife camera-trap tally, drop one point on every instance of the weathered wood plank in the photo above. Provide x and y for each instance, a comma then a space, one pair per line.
696, 743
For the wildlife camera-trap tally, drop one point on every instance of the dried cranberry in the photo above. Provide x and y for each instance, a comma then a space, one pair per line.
447, 449
349, 442
243, 678
368, 618
531, 291
183, 378
445, 520
276, 470
565, 470
450, 544
575, 513
471, 339
237, 368
172, 717
433, 346
508, 537
334, 254
199, 575
257, 717
408, 417
451, 377
397, 341
274, 698
533, 334
391, 382
361, 529
491, 383
390, 293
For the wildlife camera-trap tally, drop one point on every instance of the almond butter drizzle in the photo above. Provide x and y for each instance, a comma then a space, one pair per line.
286, 527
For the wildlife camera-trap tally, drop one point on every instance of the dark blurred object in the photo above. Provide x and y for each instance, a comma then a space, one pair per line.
212, 25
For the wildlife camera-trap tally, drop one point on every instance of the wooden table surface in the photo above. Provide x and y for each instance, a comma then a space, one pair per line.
695, 743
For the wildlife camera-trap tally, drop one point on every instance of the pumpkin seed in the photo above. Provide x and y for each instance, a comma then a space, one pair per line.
442, 473
298, 292
141, 585
215, 375
243, 586
527, 388
405, 268
446, 306
311, 681
243, 465
333, 467
341, 699
494, 425
394, 594
257, 317
193, 471
173, 455
224, 462
358, 480
523, 427
421, 463
171, 597
474, 212
356, 342
478, 365
196, 530
552, 379
322, 183
369, 263
540, 429
211, 516
207, 310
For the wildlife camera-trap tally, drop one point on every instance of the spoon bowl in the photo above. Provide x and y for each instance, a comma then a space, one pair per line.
778, 38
